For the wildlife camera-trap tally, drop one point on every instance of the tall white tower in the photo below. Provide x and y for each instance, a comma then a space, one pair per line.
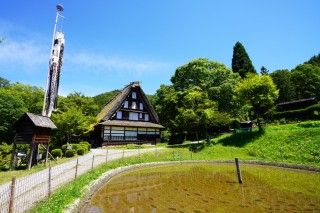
55, 64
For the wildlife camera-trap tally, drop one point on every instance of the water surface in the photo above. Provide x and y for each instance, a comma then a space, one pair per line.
208, 188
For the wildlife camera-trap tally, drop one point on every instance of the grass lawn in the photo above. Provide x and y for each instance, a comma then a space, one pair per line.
291, 143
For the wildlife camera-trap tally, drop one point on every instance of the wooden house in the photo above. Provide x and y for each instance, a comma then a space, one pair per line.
33, 130
128, 118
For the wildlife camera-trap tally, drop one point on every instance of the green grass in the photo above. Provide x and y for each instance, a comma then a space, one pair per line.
6, 176
290, 143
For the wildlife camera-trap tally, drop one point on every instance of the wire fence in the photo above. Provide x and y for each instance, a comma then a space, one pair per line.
21, 194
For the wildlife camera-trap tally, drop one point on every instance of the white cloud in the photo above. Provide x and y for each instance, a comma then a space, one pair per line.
28, 53
113, 63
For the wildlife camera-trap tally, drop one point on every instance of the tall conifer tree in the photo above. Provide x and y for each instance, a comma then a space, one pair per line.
241, 62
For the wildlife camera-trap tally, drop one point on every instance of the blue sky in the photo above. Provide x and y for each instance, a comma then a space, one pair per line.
111, 43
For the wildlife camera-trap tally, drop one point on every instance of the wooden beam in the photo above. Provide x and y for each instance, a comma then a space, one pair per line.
13, 156
31, 155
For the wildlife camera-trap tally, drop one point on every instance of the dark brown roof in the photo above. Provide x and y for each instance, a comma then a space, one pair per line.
116, 102
39, 120
131, 124
298, 101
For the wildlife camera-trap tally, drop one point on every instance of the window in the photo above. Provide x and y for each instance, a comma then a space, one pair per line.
134, 105
119, 115
146, 117
134, 95
140, 115
133, 116
141, 106
125, 104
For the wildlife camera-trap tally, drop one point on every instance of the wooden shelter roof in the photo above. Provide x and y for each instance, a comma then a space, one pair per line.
115, 103
38, 120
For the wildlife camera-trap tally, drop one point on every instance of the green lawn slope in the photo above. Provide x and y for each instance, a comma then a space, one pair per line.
290, 143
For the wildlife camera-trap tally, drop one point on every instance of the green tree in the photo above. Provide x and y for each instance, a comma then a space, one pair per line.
241, 62
77, 100
306, 78
264, 71
4, 82
71, 124
259, 93
282, 79
102, 99
165, 104
31, 96
11, 108
314, 60
199, 72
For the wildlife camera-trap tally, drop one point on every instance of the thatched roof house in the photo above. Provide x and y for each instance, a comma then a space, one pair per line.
128, 118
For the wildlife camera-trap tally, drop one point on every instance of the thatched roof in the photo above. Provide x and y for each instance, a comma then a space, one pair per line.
115, 104
131, 124
37, 120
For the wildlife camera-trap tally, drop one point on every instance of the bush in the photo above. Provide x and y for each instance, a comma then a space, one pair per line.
86, 145
196, 147
65, 148
81, 151
309, 113
75, 146
70, 153
56, 153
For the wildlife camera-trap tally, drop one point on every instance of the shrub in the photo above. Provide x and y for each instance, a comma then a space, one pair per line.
65, 148
75, 146
56, 153
70, 153
85, 144
81, 151
196, 147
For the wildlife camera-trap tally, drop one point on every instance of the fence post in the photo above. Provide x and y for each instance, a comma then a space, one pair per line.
107, 156
76, 173
122, 154
92, 162
238, 170
49, 180
13, 188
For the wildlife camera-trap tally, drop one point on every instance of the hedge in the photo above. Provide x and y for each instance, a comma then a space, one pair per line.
309, 113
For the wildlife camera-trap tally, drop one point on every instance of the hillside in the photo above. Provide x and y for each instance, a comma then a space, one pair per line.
292, 143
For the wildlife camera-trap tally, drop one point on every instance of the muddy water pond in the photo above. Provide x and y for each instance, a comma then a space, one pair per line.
208, 188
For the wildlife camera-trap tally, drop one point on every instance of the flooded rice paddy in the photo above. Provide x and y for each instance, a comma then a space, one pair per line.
208, 188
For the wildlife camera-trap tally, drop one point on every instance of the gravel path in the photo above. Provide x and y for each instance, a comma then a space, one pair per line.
35, 187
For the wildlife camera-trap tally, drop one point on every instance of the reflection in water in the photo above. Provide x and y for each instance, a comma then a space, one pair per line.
196, 188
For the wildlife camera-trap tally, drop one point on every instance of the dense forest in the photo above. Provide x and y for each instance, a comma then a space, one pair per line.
204, 98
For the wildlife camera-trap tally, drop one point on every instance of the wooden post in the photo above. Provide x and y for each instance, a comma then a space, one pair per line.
47, 154
107, 156
49, 180
122, 154
238, 170
76, 173
12, 190
31, 155
13, 156
92, 162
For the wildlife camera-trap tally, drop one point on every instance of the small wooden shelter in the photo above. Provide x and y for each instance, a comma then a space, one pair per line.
128, 118
33, 130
